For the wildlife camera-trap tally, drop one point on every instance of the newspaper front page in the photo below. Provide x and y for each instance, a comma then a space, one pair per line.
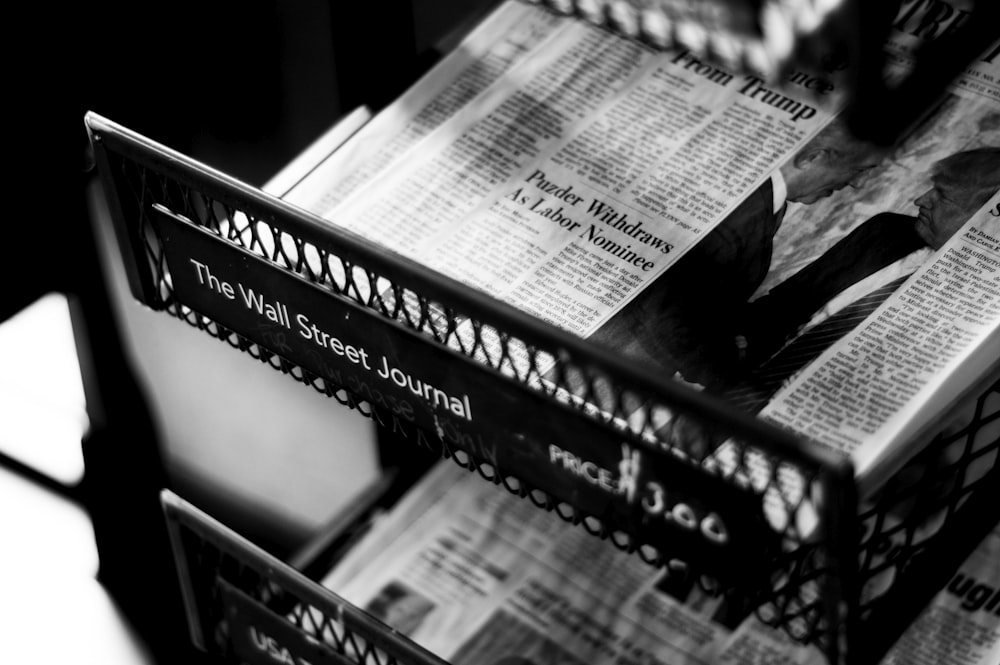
926, 343
961, 626
923, 345
593, 182
582, 173
506, 36
478, 576
648, 200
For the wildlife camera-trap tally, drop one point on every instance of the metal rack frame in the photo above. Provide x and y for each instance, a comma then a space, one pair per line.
529, 384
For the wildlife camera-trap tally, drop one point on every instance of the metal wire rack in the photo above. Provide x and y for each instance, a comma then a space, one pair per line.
775, 526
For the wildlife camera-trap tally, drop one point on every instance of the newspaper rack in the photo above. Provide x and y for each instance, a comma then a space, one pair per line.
193, 238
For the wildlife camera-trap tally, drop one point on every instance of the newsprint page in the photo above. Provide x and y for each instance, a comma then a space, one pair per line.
706, 223
481, 577
701, 221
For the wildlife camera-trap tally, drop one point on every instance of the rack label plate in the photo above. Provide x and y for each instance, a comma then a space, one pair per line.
262, 638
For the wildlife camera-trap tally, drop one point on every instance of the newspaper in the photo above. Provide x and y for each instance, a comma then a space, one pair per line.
592, 178
961, 626
581, 174
923, 345
478, 575
644, 198
507, 35
927, 343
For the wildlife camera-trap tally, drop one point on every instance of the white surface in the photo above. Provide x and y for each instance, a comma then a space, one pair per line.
42, 407
52, 609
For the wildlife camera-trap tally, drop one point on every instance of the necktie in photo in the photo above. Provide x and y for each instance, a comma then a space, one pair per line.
752, 394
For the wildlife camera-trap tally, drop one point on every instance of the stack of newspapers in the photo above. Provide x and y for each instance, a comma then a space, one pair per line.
478, 576
707, 222
700, 221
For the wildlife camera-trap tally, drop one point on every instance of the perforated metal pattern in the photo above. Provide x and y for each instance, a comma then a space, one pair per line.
811, 588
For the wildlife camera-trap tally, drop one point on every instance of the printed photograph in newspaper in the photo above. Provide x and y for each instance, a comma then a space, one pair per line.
766, 292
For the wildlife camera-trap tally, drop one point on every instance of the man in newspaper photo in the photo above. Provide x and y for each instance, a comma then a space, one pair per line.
400, 607
880, 247
684, 322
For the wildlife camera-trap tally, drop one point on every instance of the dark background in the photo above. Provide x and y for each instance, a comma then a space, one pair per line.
243, 86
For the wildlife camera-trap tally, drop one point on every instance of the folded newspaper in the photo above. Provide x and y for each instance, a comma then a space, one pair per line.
479, 576
702, 221
708, 224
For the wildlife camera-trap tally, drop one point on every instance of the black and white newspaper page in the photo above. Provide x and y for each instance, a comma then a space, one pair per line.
508, 35
961, 626
922, 345
695, 219
669, 208
926, 343
479, 576
584, 171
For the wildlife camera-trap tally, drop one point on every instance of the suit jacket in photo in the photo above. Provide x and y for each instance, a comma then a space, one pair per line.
778, 315
684, 321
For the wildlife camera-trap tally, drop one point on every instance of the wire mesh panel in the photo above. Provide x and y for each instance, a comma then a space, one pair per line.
246, 606
747, 511
918, 528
